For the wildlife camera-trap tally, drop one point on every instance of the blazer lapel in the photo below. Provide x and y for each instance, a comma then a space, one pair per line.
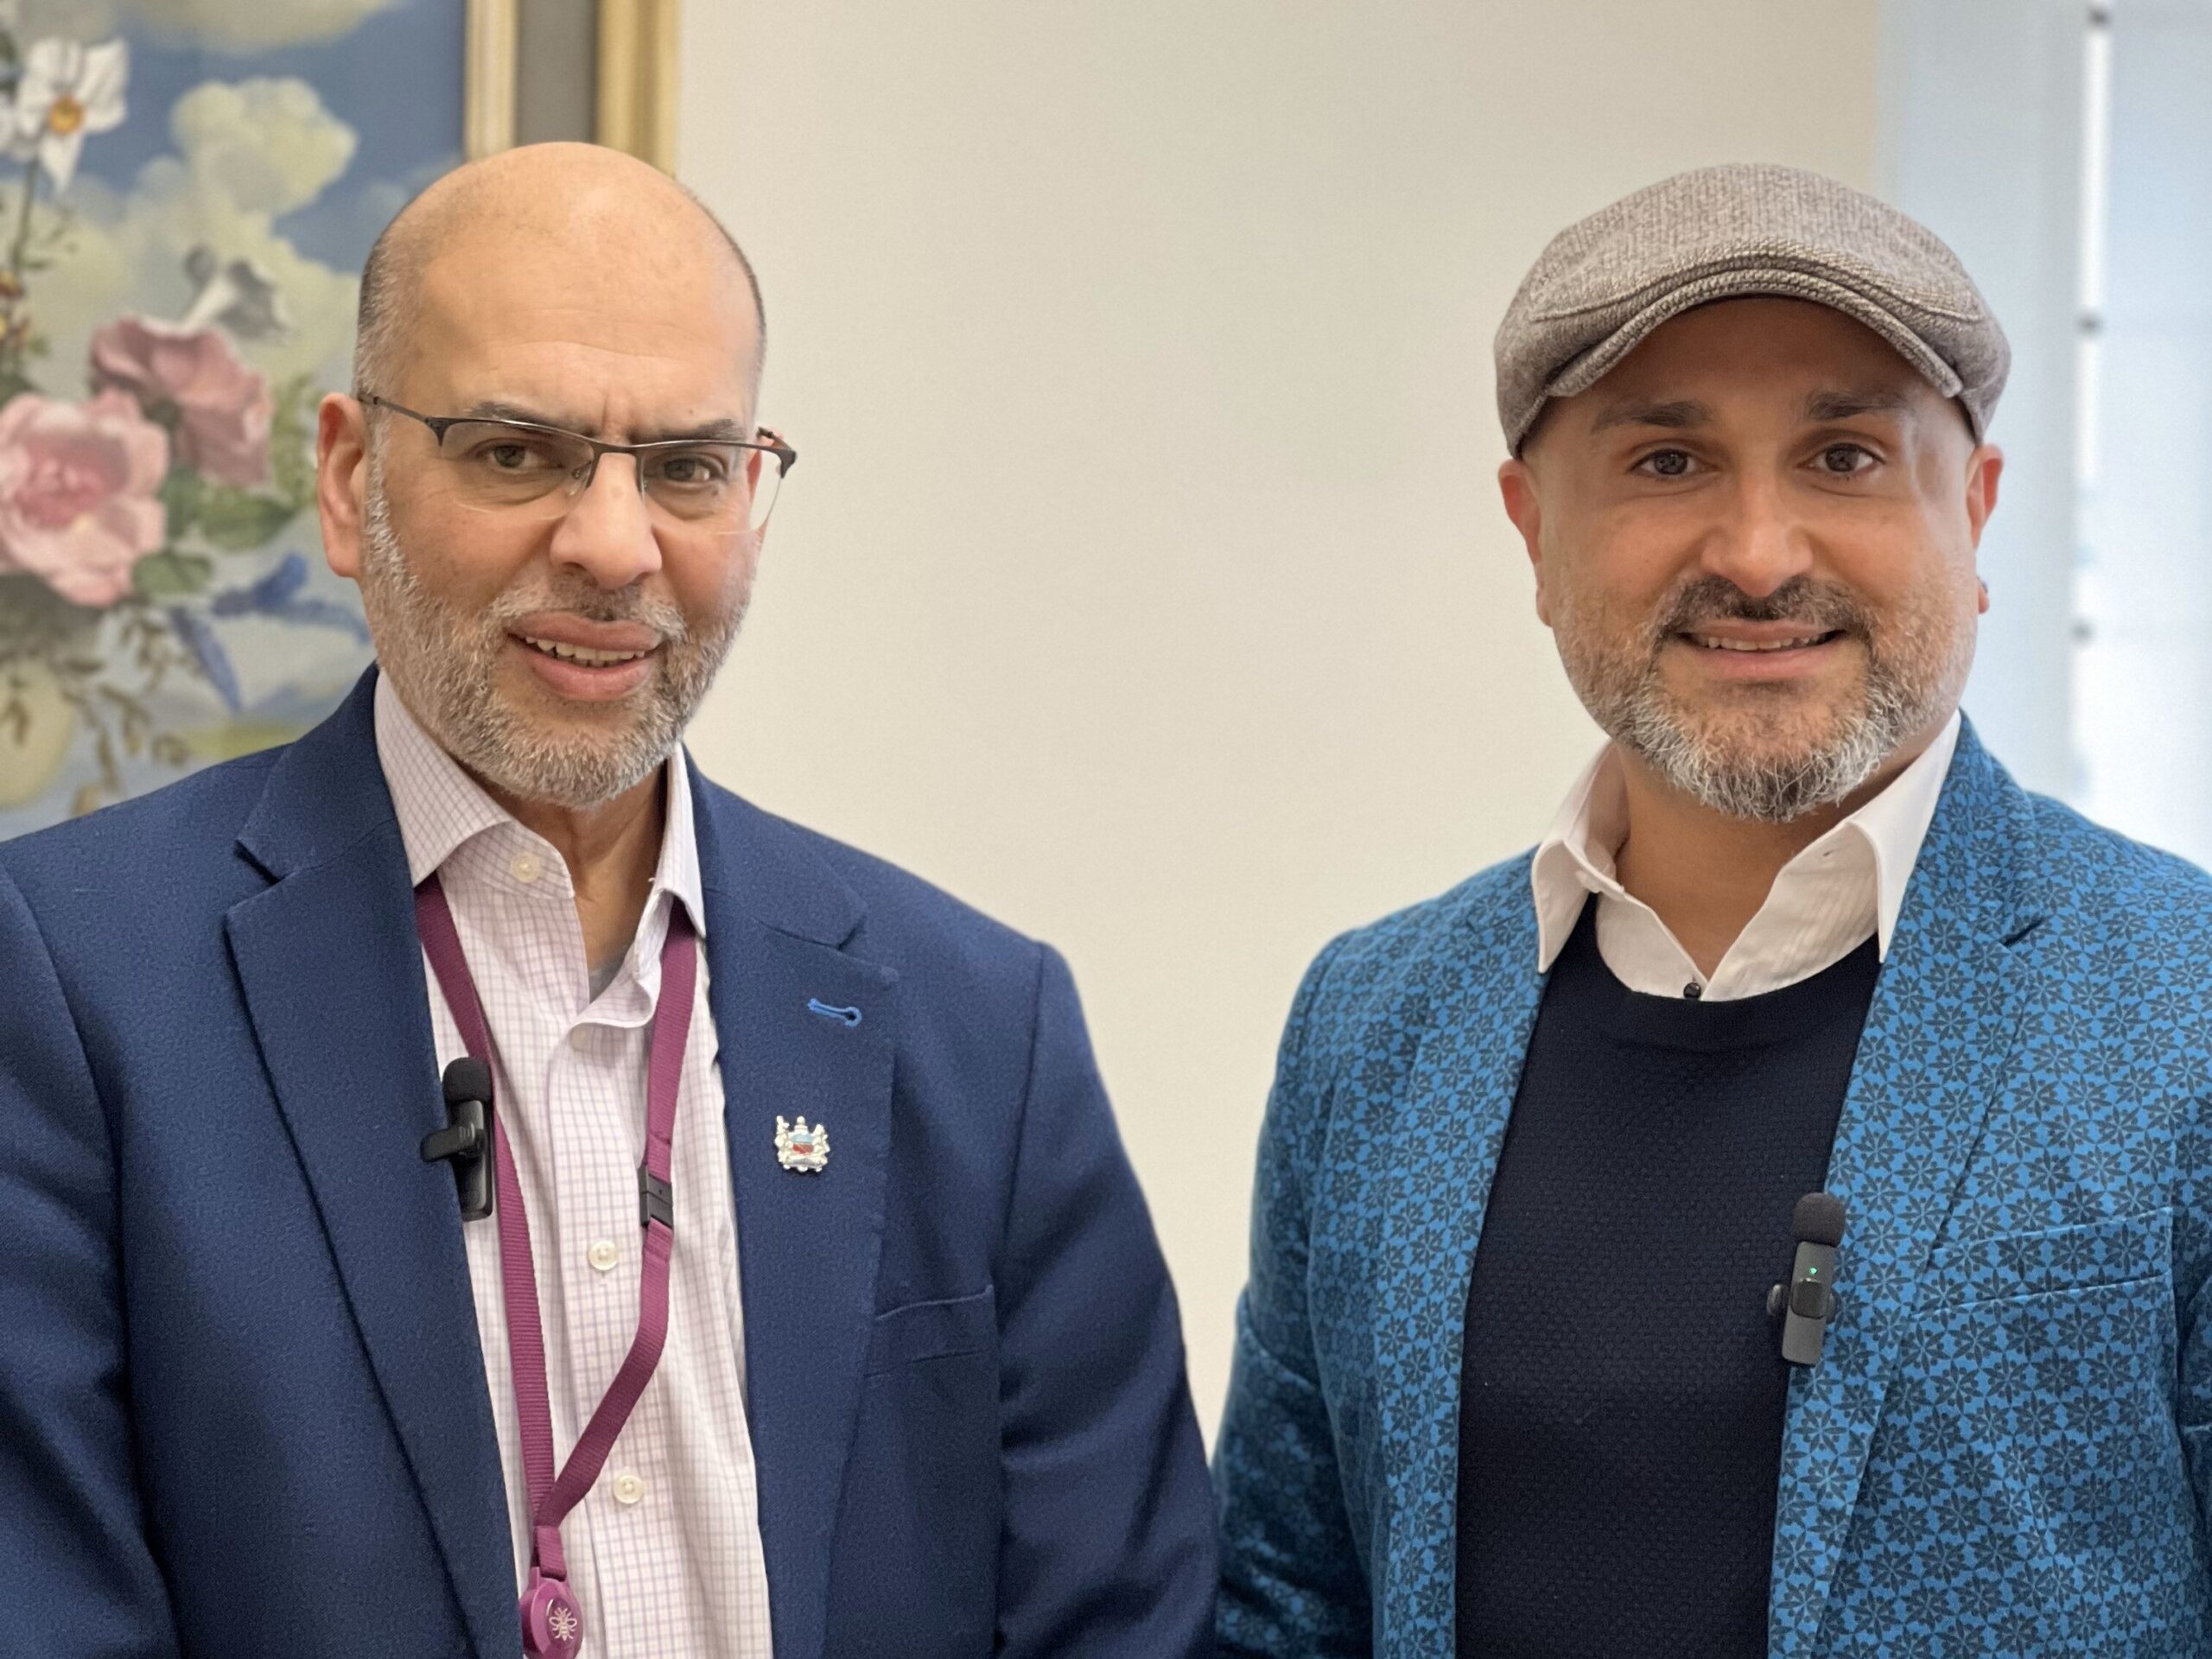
808, 1243
332, 972
1435, 1155
1931, 1064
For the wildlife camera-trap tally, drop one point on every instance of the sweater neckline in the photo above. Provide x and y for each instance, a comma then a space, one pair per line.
1839, 992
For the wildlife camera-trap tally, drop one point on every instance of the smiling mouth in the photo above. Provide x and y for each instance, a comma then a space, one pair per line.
1707, 642
583, 655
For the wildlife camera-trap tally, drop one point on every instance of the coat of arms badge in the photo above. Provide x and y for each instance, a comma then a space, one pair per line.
800, 1148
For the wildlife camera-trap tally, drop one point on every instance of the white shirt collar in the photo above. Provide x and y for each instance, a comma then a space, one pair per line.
1825, 902
440, 808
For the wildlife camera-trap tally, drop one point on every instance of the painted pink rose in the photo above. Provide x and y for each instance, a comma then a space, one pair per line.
223, 407
78, 501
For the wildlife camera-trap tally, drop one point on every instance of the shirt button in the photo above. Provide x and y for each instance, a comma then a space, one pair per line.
628, 1489
579, 1039
603, 1255
526, 867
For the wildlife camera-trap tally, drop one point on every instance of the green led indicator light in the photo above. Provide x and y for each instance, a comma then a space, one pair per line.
1812, 1273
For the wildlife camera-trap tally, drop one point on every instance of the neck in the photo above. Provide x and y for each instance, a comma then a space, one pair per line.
1705, 874
612, 851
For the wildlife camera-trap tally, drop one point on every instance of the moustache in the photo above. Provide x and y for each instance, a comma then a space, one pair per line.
590, 604
1823, 607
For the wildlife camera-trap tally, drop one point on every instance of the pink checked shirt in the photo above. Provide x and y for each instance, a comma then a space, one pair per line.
664, 1553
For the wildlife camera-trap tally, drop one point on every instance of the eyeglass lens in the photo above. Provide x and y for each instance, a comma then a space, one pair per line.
719, 486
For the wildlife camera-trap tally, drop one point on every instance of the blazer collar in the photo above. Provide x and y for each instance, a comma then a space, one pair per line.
763, 867
325, 798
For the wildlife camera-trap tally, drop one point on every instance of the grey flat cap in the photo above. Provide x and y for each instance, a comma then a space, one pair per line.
1723, 232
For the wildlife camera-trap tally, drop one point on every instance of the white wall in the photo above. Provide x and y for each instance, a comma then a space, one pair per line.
1143, 580
1980, 138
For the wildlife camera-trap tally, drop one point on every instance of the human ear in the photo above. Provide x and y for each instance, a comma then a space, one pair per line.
1516, 484
342, 473
1984, 467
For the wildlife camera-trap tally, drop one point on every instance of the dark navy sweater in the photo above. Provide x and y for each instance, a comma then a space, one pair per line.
1622, 1395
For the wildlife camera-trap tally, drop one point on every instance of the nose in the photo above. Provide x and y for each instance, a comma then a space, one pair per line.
607, 531
1759, 541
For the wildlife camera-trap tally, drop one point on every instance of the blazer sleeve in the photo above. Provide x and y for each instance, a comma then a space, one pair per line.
1107, 1547
82, 1577
1292, 1579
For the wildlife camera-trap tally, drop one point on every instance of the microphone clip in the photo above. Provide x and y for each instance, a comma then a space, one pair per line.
465, 1141
1808, 1305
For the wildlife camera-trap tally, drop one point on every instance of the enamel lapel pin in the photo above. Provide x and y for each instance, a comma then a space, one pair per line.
802, 1150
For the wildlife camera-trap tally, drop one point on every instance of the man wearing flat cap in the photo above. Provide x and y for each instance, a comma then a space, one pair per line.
1775, 1215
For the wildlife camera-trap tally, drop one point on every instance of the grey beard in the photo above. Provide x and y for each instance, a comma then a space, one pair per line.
1914, 677
446, 667
1769, 790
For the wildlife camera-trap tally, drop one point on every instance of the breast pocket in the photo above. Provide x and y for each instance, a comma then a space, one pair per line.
939, 1329
915, 1567
2061, 1343
2027, 1462
2114, 1250
2033, 1407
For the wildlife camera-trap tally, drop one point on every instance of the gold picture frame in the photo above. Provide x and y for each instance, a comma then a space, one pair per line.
631, 53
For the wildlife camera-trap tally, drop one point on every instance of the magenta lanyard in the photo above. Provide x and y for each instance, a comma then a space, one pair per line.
550, 1623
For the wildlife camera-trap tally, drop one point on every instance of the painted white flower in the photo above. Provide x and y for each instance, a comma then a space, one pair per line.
68, 91
239, 297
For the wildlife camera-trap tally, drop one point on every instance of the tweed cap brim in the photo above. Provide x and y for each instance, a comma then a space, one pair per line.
1606, 284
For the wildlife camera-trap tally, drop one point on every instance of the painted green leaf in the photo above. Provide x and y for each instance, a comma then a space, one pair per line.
171, 574
237, 520
181, 492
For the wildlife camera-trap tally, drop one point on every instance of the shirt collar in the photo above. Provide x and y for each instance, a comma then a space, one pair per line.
440, 808
1575, 858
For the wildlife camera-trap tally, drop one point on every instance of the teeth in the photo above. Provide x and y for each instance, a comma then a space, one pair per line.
583, 654
1746, 645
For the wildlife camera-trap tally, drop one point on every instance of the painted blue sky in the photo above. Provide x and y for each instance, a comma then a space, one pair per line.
396, 80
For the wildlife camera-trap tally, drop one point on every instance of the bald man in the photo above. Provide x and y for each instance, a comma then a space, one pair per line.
465, 1180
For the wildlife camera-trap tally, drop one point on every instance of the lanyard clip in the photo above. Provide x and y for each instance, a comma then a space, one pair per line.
656, 1200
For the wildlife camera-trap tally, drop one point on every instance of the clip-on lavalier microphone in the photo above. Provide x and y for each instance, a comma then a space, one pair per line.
465, 1141
1808, 1303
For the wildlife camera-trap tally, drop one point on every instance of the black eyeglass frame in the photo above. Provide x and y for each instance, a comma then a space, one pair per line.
771, 443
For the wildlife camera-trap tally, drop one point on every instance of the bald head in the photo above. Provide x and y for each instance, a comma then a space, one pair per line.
577, 224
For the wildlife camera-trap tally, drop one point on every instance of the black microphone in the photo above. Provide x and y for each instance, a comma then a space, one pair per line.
1808, 1303
465, 1141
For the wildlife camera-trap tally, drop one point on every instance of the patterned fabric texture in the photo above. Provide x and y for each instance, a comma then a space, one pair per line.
2005, 1449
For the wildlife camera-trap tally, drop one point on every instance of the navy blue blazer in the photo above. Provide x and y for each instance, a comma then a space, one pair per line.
243, 1409
2007, 1446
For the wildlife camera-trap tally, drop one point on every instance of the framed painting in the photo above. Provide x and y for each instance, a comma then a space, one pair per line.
186, 192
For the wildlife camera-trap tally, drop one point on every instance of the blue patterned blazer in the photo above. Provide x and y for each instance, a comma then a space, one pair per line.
2008, 1445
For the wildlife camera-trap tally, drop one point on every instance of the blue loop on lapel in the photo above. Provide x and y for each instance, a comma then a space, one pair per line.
849, 1017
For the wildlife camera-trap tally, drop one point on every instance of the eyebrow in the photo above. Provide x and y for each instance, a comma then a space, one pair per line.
1843, 405
1681, 413
720, 430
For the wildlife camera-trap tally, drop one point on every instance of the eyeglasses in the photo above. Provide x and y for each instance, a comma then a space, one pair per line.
522, 468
